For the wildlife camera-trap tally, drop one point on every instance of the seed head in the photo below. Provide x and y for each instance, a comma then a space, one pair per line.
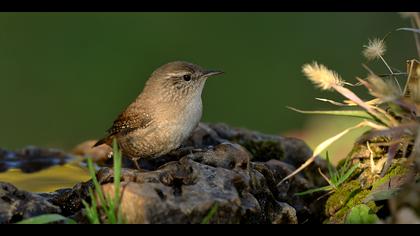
384, 90
375, 49
321, 76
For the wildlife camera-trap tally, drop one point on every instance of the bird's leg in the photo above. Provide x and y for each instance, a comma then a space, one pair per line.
136, 164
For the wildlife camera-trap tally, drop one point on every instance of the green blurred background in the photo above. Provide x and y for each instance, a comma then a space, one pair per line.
64, 77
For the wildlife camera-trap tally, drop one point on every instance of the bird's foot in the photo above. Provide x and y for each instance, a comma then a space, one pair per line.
136, 164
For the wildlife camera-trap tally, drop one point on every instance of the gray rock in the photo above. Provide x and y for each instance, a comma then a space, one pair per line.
235, 170
16, 205
31, 159
184, 191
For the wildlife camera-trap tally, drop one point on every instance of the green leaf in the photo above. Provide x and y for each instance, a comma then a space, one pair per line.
47, 218
361, 214
349, 113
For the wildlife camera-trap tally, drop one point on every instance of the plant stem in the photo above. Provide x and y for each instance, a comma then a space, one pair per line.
416, 37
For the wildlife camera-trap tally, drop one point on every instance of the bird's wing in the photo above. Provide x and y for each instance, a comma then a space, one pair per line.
129, 121
126, 122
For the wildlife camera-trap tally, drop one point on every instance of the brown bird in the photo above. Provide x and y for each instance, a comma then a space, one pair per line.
164, 114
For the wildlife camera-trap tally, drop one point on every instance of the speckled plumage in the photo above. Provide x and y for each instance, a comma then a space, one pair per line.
164, 114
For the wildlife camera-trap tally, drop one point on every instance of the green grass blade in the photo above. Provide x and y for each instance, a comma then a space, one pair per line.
92, 211
331, 170
117, 173
348, 113
109, 205
211, 214
314, 190
98, 188
47, 218
344, 167
348, 174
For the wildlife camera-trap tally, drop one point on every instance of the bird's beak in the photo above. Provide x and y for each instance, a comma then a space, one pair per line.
210, 73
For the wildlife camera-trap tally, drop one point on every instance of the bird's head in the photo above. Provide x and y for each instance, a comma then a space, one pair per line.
179, 80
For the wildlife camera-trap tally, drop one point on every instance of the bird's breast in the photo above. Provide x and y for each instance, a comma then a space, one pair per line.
180, 121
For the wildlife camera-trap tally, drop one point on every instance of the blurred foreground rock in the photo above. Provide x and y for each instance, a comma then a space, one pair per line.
235, 171
16, 205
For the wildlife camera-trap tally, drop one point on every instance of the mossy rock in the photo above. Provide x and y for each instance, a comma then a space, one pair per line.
351, 193
399, 174
340, 203
398, 168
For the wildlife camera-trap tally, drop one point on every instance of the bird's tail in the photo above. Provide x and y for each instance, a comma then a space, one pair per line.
102, 141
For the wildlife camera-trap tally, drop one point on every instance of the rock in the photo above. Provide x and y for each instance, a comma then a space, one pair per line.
177, 201
69, 200
16, 205
286, 215
98, 154
184, 191
32, 159
234, 171
265, 147
368, 187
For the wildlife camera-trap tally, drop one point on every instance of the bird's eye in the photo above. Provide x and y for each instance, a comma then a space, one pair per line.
187, 77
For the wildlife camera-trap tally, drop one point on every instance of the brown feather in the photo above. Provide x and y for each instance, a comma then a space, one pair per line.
106, 140
129, 121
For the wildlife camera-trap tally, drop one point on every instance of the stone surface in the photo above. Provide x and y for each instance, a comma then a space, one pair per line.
234, 170
16, 205
32, 159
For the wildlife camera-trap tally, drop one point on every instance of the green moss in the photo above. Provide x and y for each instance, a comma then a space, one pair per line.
344, 199
351, 194
340, 197
397, 168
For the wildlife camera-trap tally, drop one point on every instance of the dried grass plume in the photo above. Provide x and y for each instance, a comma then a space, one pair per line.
375, 49
385, 90
321, 76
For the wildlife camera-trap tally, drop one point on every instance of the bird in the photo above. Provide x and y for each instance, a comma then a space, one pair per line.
163, 115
